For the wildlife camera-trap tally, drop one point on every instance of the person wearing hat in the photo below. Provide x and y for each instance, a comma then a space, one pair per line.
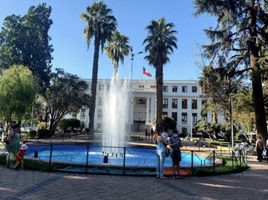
20, 155
12, 144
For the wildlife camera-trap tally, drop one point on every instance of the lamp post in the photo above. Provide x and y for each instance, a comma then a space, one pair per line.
132, 60
131, 73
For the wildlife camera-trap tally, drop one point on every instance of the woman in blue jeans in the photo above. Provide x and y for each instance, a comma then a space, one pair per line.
160, 153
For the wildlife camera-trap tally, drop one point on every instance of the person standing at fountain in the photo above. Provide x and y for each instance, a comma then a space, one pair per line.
12, 144
175, 145
152, 133
146, 134
259, 148
160, 153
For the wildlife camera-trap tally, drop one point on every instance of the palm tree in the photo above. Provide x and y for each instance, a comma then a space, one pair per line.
100, 25
159, 44
116, 50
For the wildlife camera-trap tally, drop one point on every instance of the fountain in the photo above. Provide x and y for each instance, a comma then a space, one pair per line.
111, 157
116, 117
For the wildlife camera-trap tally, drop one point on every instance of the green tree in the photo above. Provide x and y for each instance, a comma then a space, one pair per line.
116, 49
240, 35
65, 95
219, 89
25, 41
159, 44
18, 88
100, 25
244, 110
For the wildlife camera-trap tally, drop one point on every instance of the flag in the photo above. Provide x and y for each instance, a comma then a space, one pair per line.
146, 73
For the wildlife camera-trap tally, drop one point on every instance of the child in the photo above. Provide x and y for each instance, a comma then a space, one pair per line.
19, 156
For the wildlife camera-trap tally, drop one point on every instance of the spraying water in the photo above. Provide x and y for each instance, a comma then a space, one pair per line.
115, 117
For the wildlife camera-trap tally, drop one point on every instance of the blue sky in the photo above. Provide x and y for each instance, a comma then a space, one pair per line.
70, 49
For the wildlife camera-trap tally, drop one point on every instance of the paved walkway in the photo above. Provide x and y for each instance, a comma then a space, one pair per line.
35, 185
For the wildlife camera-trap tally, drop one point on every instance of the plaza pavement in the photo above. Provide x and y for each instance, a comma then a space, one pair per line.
36, 185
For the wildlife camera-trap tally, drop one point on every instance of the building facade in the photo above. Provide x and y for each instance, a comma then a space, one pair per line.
182, 101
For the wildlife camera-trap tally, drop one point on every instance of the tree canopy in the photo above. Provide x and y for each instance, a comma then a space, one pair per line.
66, 94
117, 48
240, 37
18, 88
24, 40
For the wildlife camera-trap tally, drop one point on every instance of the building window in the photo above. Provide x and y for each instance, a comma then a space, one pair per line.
194, 117
101, 87
153, 86
165, 88
99, 114
141, 86
204, 102
184, 103
140, 101
184, 89
184, 130
194, 103
184, 118
174, 88
205, 117
99, 126
174, 103
194, 89
82, 113
174, 116
100, 101
165, 103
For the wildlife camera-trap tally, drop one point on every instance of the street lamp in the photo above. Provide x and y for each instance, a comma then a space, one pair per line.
131, 73
132, 59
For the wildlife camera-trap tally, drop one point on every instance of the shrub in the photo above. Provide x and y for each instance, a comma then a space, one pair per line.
44, 133
72, 123
32, 133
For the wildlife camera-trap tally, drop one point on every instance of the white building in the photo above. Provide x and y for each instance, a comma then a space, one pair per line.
182, 101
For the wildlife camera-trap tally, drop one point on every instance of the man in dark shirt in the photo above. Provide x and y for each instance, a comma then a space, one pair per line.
175, 145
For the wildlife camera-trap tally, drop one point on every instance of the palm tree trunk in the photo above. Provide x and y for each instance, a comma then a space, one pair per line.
116, 63
159, 93
92, 103
256, 77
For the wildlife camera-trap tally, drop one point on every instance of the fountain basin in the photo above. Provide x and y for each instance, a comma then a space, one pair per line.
88, 155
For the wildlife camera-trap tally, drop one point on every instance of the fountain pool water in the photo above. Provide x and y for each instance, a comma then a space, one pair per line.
134, 156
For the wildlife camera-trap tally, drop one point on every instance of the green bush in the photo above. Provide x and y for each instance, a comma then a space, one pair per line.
32, 133
44, 133
72, 123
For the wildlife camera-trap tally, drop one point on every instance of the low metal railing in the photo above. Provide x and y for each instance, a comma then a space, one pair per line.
200, 159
